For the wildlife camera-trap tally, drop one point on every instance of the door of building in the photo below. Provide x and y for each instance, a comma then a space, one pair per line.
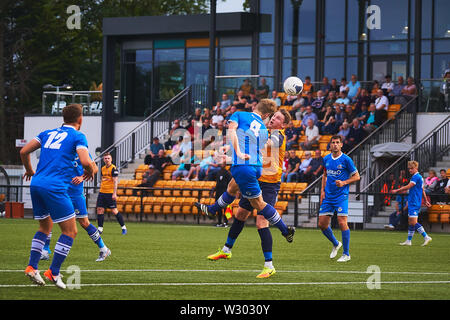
380, 66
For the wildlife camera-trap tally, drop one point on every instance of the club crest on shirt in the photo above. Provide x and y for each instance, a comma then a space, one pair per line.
339, 166
340, 209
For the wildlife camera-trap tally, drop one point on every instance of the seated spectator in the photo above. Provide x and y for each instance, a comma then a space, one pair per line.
387, 85
395, 96
290, 100
344, 130
440, 188
292, 135
333, 124
308, 115
330, 100
374, 90
318, 102
304, 166
276, 98
246, 88
374, 120
161, 161
206, 115
363, 115
363, 98
296, 105
252, 98
382, 104
325, 117
334, 87
176, 149
191, 166
307, 86
354, 88
290, 175
197, 114
325, 87
343, 86
183, 168
314, 170
149, 179
240, 99
354, 137
410, 88
262, 91
312, 136
349, 114
169, 143
342, 101
307, 99
218, 117
431, 182
225, 104
401, 210
213, 168
233, 109
155, 147
201, 169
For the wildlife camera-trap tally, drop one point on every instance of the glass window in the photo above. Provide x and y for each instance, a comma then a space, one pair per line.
130, 56
137, 89
169, 55
306, 68
169, 79
388, 47
442, 45
236, 52
441, 18
425, 66
307, 23
266, 67
234, 67
306, 50
334, 67
267, 7
335, 49
334, 20
352, 48
287, 71
143, 55
352, 67
426, 46
266, 51
197, 72
426, 18
352, 23
197, 53
441, 63
394, 20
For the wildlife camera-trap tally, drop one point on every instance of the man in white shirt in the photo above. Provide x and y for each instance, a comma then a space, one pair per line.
312, 136
387, 86
218, 117
382, 104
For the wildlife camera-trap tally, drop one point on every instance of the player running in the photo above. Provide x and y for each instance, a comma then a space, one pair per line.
48, 188
247, 132
269, 183
416, 192
339, 172
108, 194
79, 203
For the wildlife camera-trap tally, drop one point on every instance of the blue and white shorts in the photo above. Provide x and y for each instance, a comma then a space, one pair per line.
246, 178
79, 204
328, 208
57, 205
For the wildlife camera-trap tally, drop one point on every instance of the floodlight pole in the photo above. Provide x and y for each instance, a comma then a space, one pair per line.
212, 53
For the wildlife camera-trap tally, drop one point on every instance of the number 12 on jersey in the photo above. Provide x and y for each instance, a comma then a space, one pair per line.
55, 139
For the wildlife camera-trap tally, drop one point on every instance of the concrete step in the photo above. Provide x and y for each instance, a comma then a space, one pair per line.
374, 226
380, 220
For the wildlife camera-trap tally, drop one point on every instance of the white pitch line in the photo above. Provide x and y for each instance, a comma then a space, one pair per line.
243, 270
236, 284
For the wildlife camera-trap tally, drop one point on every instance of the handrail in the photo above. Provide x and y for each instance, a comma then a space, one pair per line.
408, 153
370, 136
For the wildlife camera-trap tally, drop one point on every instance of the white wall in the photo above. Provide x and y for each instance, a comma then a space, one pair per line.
426, 122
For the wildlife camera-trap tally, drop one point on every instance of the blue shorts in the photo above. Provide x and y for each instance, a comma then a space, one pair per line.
269, 194
413, 212
246, 178
329, 207
79, 203
47, 203
105, 200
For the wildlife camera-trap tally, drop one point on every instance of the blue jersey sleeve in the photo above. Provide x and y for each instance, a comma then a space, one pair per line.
234, 117
40, 137
415, 179
81, 141
351, 166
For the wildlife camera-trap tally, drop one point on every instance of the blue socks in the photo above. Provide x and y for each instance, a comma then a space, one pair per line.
266, 243
47, 243
37, 244
271, 214
95, 235
330, 236
411, 230
234, 232
346, 242
62, 249
221, 203
419, 228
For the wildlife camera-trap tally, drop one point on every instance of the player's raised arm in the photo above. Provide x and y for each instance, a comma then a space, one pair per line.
86, 162
25, 152
232, 136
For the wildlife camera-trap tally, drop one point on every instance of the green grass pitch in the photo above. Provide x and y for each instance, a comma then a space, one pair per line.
167, 261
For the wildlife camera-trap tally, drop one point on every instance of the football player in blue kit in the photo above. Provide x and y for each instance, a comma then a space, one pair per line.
49, 189
339, 172
248, 135
415, 196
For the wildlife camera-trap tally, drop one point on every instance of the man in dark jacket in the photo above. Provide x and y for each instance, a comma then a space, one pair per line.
223, 177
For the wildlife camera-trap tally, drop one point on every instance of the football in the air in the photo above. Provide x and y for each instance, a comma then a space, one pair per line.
293, 86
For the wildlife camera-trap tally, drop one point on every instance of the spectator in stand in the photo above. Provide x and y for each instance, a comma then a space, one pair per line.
213, 168
355, 136
349, 114
218, 117
276, 98
292, 135
395, 96
206, 115
343, 86
344, 130
431, 182
308, 115
246, 88
329, 113
331, 99
262, 91
290, 100
191, 166
382, 104
240, 98
342, 101
233, 109
225, 104
318, 102
333, 124
149, 179
363, 98
325, 87
374, 90
304, 166
223, 177
440, 188
192, 127
334, 87
155, 147
410, 88
183, 168
354, 89
363, 115
307, 86
314, 169
201, 169
296, 105
401, 209
293, 164
447, 188
308, 99
374, 120
387, 85
252, 99
197, 114
176, 149
169, 143
312, 136
161, 161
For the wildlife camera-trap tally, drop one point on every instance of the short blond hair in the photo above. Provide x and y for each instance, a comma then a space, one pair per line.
266, 106
413, 164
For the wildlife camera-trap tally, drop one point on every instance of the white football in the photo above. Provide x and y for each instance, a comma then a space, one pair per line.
293, 86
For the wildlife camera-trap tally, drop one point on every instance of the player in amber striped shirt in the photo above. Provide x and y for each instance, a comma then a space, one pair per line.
269, 182
108, 193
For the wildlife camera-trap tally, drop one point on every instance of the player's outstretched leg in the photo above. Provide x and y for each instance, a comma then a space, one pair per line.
272, 215
233, 233
266, 245
420, 229
221, 203
95, 236
37, 245
411, 231
324, 225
